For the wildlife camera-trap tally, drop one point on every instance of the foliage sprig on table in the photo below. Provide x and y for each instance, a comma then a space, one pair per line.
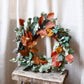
26, 38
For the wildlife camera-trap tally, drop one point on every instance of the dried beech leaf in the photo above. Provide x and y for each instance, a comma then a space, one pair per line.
43, 61
34, 50
24, 52
41, 20
50, 16
21, 22
42, 32
32, 44
54, 57
54, 54
36, 60
50, 25
58, 50
25, 40
69, 58
49, 32
29, 35
26, 34
56, 63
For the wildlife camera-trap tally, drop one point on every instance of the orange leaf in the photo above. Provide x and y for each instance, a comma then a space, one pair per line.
41, 20
21, 22
49, 32
32, 44
42, 32
56, 63
54, 54
26, 34
24, 52
58, 50
43, 61
54, 57
29, 35
34, 50
25, 40
50, 16
36, 60
69, 58
50, 25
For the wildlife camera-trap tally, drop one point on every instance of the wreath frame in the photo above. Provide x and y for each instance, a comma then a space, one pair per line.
26, 38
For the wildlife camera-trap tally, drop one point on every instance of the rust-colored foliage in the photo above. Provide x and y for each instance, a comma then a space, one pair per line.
43, 61
32, 44
50, 16
41, 20
25, 40
58, 50
24, 52
21, 22
36, 60
49, 32
34, 50
50, 25
69, 58
54, 57
42, 32
29, 35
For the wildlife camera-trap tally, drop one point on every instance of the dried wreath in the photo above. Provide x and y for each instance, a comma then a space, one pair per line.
26, 37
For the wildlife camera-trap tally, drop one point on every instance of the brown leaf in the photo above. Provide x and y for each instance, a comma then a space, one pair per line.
49, 32
41, 20
24, 52
43, 61
29, 35
36, 60
21, 22
34, 50
32, 44
50, 16
26, 34
50, 25
25, 40
42, 32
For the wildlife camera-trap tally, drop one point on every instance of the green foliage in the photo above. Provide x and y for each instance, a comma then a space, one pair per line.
35, 19
45, 67
42, 57
71, 51
61, 58
36, 68
55, 30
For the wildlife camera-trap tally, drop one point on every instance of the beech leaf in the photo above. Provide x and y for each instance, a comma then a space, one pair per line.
50, 25
24, 52
50, 16
32, 44
34, 50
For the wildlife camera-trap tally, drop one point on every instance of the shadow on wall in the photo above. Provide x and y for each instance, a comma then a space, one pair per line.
9, 66
75, 69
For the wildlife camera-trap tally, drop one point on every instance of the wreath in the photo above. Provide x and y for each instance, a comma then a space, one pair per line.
26, 39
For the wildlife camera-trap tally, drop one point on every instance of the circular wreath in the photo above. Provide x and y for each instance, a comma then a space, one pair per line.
26, 38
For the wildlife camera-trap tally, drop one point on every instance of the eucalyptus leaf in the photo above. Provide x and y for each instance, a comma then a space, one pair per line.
60, 58
45, 67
